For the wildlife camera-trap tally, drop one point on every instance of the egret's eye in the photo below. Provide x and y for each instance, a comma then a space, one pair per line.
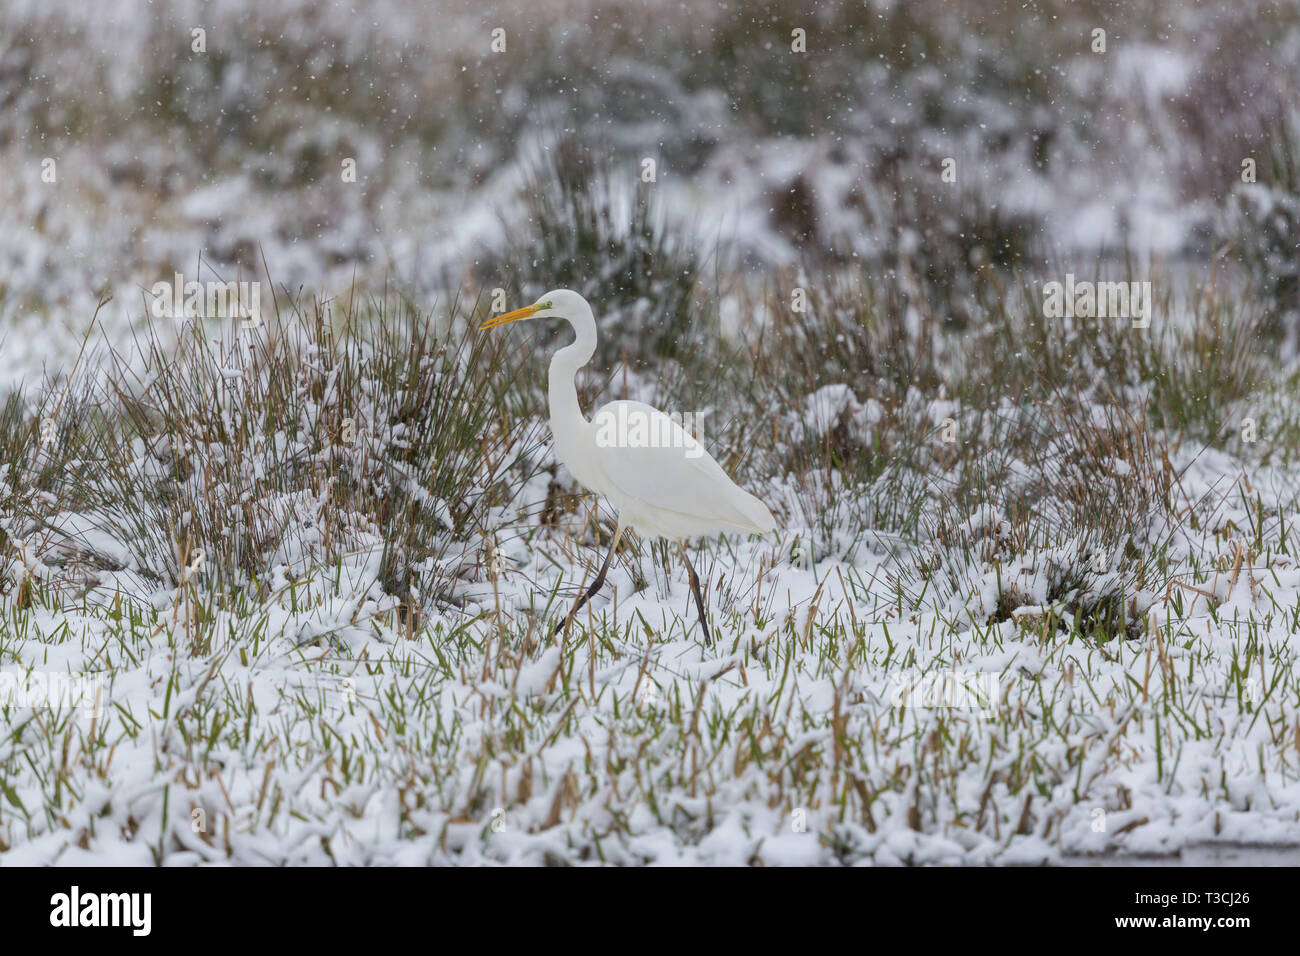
543, 305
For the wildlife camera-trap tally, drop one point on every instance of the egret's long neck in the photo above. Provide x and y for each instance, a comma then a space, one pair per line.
563, 393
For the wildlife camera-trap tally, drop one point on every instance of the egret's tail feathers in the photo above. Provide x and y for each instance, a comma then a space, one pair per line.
757, 515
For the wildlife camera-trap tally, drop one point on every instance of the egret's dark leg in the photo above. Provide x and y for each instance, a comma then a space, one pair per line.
695, 590
595, 585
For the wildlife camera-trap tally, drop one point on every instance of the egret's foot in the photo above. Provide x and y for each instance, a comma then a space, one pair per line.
564, 622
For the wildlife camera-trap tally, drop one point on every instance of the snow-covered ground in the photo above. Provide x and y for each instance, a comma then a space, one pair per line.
833, 718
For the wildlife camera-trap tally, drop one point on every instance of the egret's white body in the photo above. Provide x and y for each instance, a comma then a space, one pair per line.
670, 488
673, 489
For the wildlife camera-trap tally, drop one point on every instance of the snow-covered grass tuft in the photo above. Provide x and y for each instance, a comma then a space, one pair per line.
367, 442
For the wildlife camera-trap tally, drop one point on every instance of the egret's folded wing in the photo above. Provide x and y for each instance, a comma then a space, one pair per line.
656, 462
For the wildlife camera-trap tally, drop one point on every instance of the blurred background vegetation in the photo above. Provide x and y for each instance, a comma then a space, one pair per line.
763, 154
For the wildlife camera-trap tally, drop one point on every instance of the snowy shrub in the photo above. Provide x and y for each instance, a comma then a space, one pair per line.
602, 232
1262, 223
238, 459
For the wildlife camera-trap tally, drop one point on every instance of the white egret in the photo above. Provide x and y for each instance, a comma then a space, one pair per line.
660, 480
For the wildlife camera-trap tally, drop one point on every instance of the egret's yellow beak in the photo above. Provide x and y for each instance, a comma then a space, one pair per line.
514, 316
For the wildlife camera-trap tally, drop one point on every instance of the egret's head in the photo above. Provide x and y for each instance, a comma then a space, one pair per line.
558, 303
